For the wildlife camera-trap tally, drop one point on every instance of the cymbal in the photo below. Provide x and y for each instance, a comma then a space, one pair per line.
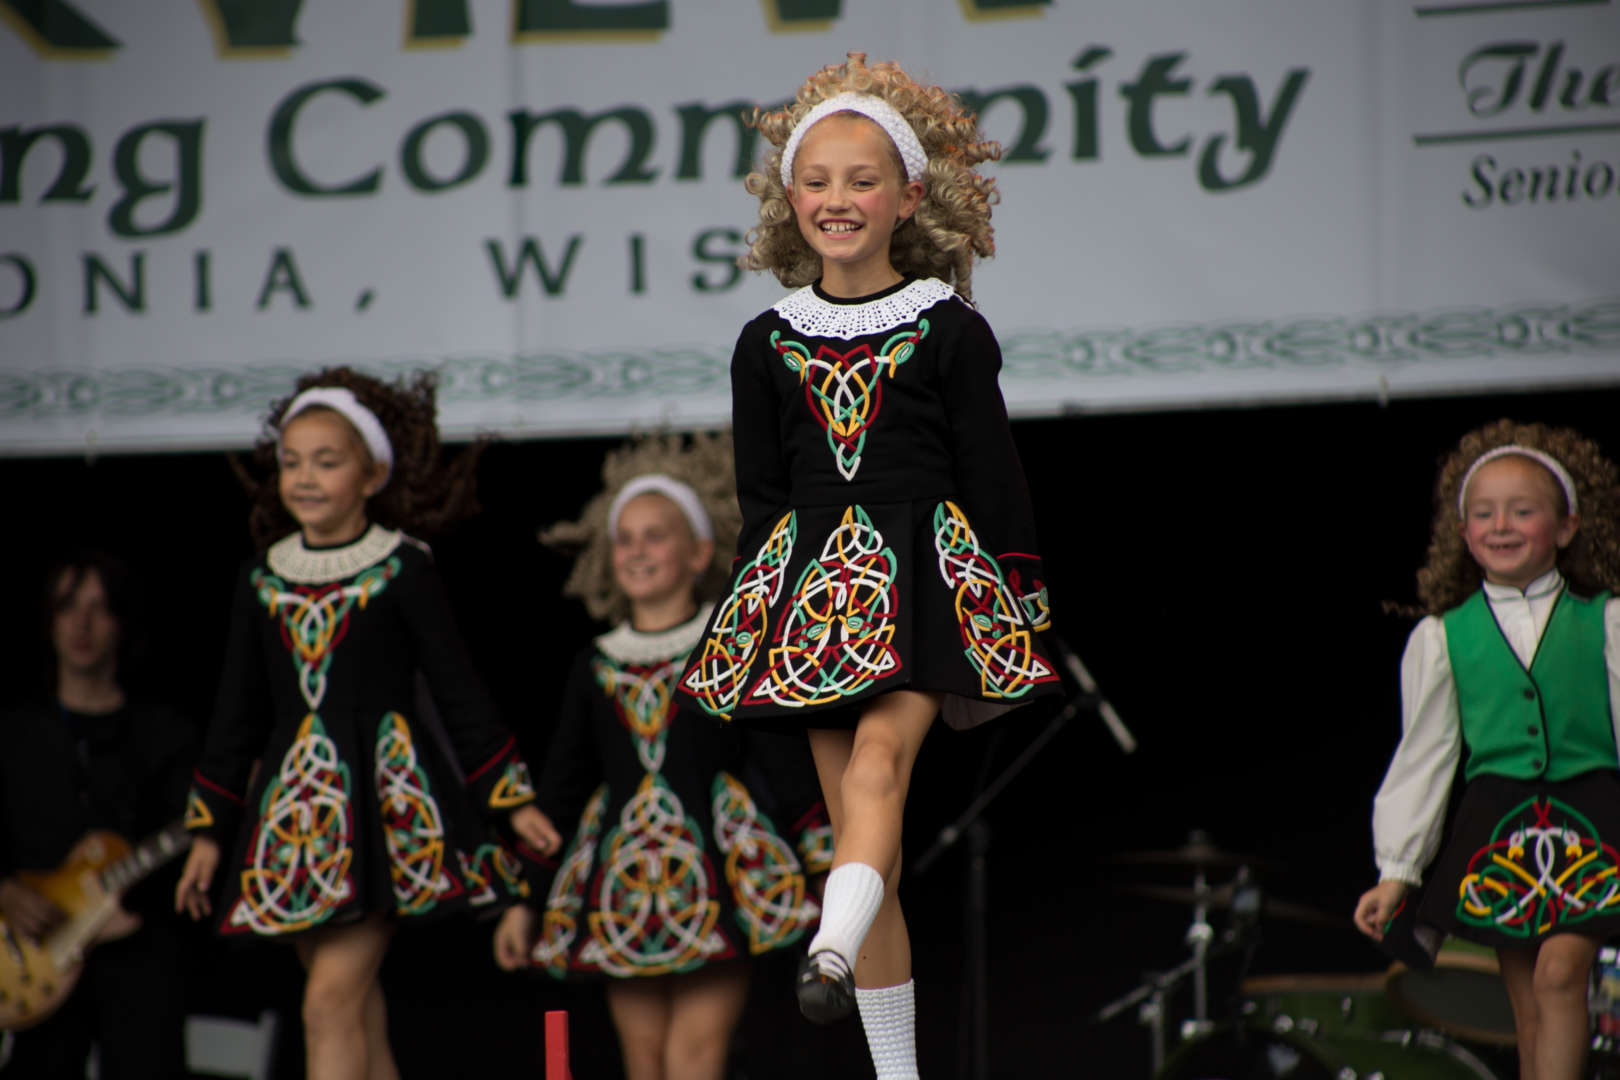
1221, 896
1198, 853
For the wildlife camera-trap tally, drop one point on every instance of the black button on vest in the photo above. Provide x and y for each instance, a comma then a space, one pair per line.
1536, 763
1530, 695
1534, 730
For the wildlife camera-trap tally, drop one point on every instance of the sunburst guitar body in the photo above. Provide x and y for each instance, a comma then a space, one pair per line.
37, 976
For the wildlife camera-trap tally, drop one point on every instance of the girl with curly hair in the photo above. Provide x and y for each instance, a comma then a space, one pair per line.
887, 565
733, 820
356, 821
1514, 673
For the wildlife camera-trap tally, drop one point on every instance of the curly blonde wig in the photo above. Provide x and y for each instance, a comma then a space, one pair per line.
424, 496
950, 227
1591, 562
703, 462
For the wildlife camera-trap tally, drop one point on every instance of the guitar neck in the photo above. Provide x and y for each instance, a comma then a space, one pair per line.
146, 857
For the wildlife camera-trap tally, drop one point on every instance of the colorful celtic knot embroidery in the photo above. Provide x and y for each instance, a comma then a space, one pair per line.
835, 638
566, 901
739, 626
845, 390
313, 619
653, 911
997, 637
641, 697
514, 788
766, 879
816, 848
198, 816
1037, 609
298, 862
412, 827
489, 865
1545, 868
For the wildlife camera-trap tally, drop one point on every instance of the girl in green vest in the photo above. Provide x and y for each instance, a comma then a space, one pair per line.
1514, 674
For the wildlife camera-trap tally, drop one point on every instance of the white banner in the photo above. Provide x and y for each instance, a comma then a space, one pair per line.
1231, 202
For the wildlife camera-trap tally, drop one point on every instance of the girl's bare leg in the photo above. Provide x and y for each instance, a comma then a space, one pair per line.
641, 1015
379, 1055
704, 1009
877, 776
342, 965
1518, 975
865, 776
1563, 966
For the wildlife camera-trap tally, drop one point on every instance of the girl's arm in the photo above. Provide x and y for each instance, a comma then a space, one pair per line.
989, 477
573, 768
762, 479
239, 727
1611, 656
496, 774
1410, 808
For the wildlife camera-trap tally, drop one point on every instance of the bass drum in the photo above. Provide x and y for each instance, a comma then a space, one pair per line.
1252, 1054
1462, 995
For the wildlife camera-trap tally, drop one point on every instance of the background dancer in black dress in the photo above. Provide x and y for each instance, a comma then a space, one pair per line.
354, 820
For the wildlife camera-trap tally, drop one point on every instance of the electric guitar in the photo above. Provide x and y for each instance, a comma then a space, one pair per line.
37, 976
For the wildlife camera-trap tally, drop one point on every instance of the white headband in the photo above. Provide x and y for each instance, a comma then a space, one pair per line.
875, 109
341, 400
672, 489
1552, 464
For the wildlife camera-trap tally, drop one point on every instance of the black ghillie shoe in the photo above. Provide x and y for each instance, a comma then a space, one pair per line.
826, 988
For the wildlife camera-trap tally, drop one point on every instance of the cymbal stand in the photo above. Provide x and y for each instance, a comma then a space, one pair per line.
1199, 936
1151, 996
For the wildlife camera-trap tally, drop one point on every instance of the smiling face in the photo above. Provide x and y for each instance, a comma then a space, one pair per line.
84, 631
656, 557
1513, 520
326, 476
849, 194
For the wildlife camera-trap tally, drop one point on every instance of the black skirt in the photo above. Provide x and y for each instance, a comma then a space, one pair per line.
845, 602
1528, 859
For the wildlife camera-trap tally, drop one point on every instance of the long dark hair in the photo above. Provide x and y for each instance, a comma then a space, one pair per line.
64, 576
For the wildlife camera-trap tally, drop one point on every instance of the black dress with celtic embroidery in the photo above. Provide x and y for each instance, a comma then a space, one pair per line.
691, 843
355, 807
887, 538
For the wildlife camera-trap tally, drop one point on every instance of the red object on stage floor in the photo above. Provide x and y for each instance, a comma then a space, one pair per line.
557, 1046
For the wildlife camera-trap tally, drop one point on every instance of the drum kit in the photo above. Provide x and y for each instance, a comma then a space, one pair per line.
1450, 1023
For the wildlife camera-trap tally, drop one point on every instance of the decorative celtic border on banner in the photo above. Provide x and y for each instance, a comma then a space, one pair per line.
1300, 344
545, 377
1305, 344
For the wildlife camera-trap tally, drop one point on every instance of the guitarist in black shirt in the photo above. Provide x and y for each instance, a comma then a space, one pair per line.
84, 757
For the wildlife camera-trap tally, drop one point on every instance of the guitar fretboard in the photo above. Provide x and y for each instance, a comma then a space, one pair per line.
146, 857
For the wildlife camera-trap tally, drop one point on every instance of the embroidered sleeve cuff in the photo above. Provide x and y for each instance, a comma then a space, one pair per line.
1026, 581
502, 783
496, 877
813, 839
211, 808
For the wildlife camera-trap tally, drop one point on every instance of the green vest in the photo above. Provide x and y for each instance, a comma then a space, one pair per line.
1551, 722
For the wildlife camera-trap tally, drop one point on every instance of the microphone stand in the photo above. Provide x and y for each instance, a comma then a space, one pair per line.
975, 1064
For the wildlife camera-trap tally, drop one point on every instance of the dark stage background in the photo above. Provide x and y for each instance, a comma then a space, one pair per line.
1221, 574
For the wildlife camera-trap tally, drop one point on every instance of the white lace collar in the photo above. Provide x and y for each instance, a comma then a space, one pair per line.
290, 560
812, 316
629, 646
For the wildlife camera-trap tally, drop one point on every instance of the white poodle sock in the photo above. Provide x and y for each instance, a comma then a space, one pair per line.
889, 1015
849, 903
